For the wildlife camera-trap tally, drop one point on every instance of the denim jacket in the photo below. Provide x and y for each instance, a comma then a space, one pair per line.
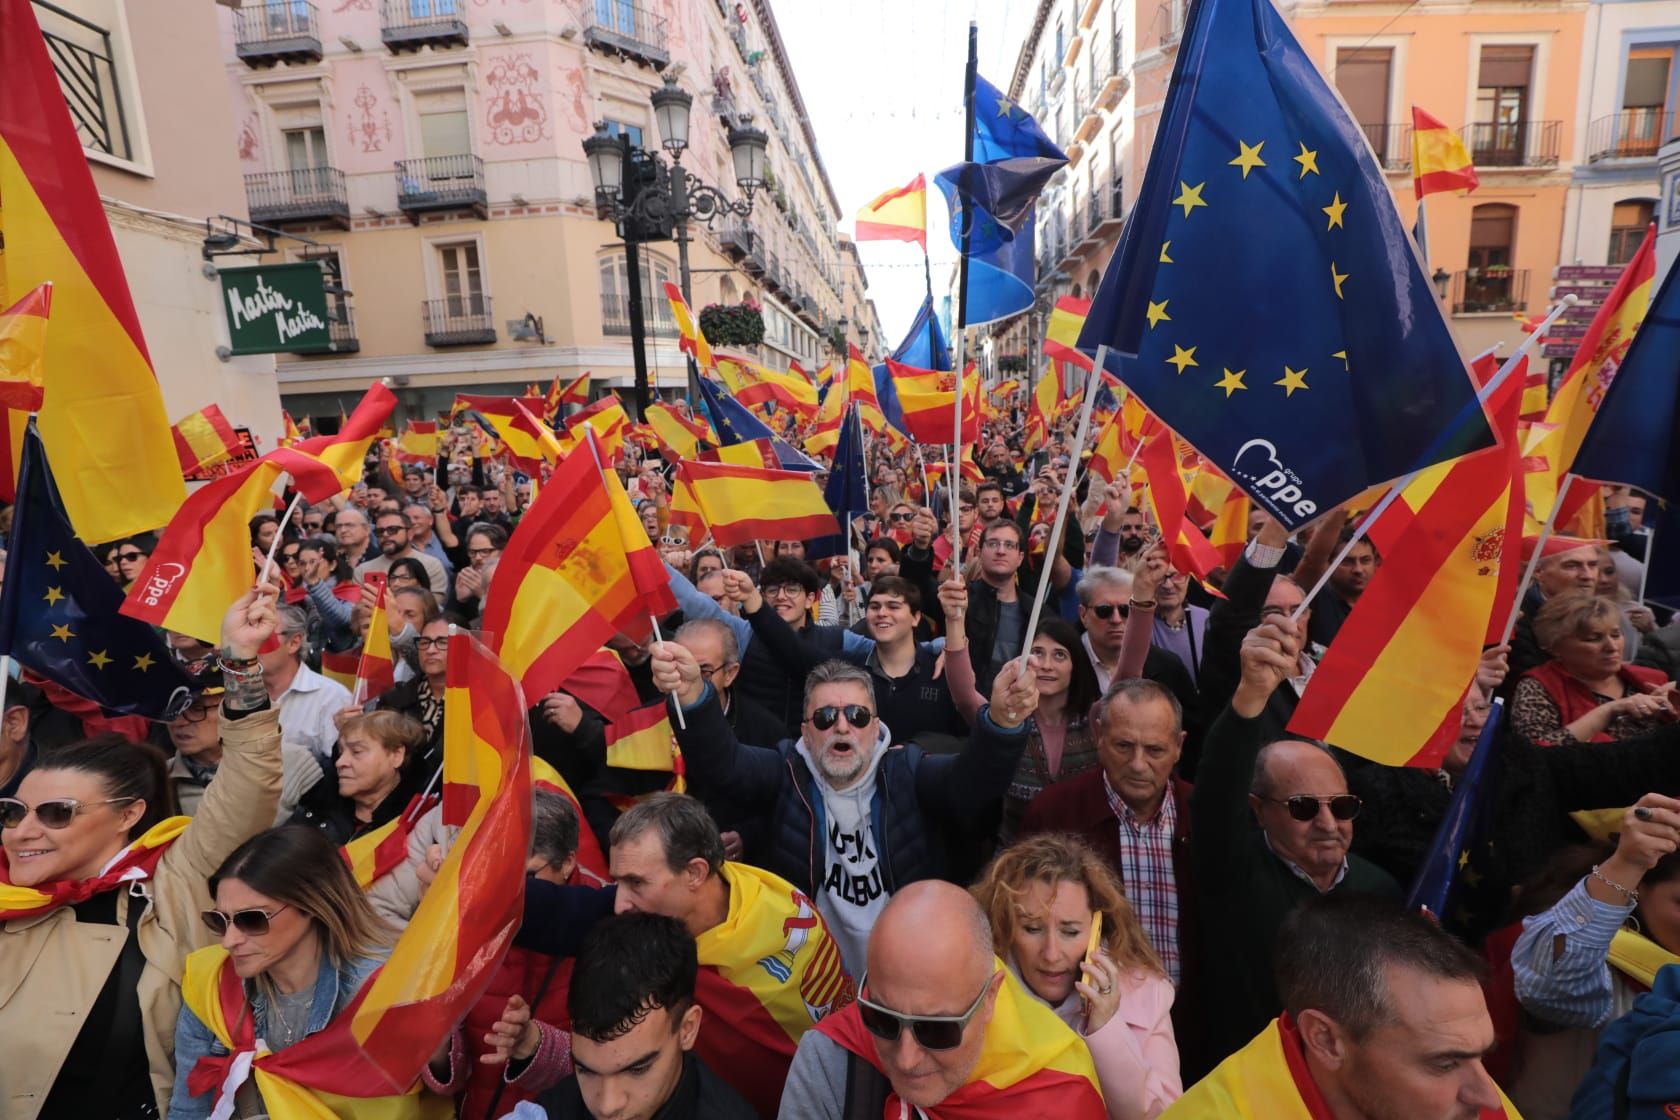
334, 989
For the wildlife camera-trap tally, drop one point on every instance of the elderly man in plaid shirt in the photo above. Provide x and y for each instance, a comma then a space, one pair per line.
1136, 814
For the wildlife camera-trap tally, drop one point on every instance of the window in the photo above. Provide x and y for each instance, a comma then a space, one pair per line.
1488, 274
1363, 78
443, 123
1628, 222
1061, 43
1642, 126
90, 58
1500, 134
619, 128
305, 148
461, 279
615, 295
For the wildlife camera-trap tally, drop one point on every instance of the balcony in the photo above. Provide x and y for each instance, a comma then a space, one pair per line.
736, 239
408, 25
1629, 134
626, 30
458, 321
284, 31
1489, 290
82, 61
1116, 82
303, 194
1515, 143
1391, 144
1115, 212
441, 183
343, 331
656, 316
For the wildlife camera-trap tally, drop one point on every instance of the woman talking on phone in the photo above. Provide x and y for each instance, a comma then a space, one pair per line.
1066, 931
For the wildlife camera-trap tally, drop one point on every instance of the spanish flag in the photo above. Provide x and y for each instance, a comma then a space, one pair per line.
860, 389
1031, 1063
341, 667
641, 739
530, 442
203, 562
678, 436
137, 861
1396, 673
790, 390
769, 972
575, 392
377, 667
693, 338
896, 215
928, 399
1553, 442
831, 412
744, 504
578, 569
1440, 161
103, 419
419, 440
375, 854
1188, 549
1047, 397
204, 439
23, 340
289, 433
607, 419
1067, 319
1269, 1080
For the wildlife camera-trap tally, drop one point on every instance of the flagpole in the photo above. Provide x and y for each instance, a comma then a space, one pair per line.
1534, 560
1388, 499
1055, 543
268, 563
955, 455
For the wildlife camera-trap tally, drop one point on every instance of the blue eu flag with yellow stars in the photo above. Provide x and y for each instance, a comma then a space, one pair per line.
1270, 305
735, 424
58, 610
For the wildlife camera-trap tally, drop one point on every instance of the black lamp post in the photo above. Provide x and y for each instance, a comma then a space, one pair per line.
649, 200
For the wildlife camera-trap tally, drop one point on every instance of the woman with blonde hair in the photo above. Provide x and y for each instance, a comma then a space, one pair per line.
1042, 896
1587, 692
297, 942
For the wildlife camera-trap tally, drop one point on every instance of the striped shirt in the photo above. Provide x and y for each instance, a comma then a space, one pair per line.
1146, 869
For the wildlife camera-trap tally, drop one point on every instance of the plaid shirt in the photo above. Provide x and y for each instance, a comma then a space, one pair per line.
1146, 868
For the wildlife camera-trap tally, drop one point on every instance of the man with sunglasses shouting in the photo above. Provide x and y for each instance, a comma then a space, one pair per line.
851, 818
1249, 879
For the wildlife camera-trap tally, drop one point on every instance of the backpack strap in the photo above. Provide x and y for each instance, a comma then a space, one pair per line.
866, 1090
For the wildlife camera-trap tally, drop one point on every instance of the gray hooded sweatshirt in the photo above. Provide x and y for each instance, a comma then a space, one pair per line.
851, 895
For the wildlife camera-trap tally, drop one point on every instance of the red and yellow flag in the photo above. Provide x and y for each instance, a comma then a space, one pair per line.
860, 389
1554, 442
375, 854
289, 433
607, 419
23, 341
743, 504
693, 341
1031, 1063
641, 739
420, 440
1440, 161
376, 668
1047, 397
789, 390
204, 439
899, 214
928, 399
1188, 549
578, 569
103, 419
203, 562
1396, 673
574, 392
1067, 319
678, 436
341, 666
769, 972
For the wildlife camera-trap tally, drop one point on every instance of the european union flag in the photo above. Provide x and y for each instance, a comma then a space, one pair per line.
58, 609
847, 492
1004, 130
924, 344
1000, 283
1278, 314
735, 424
990, 202
1463, 834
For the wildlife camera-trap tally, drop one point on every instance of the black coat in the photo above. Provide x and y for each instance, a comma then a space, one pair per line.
699, 1095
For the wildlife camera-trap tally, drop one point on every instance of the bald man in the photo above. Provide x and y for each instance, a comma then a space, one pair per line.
936, 1010
1296, 792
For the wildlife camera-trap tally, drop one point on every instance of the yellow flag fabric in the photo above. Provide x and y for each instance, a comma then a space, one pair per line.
899, 214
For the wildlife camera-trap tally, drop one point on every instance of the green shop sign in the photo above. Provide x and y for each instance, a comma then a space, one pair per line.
277, 309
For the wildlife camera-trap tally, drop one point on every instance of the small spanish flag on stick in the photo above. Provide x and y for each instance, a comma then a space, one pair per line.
204, 439
1440, 161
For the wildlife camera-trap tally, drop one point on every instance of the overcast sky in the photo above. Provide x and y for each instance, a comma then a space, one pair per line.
882, 81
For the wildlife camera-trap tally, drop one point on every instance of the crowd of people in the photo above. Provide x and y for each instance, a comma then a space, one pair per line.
921, 861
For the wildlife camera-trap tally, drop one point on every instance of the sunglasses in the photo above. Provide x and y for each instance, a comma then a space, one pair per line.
1105, 611
290, 557
57, 813
391, 530
1304, 806
252, 923
901, 517
130, 557
931, 1032
828, 715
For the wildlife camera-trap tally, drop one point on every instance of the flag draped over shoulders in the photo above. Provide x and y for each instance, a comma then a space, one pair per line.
1031, 1064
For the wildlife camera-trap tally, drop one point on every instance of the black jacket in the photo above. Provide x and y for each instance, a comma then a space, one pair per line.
920, 799
699, 1096
777, 660
334, 814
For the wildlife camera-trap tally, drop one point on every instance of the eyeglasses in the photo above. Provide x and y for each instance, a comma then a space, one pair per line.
1304, 806
1105, 611
828, 715
432, 643
931, 1032
779, 590
197, 713
130, 557
252, 923
481, 553
314, 526
1002, 544
391, 530
56, 813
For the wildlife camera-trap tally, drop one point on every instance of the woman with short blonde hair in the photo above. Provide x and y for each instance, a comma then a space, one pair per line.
1042, 896
1587, 692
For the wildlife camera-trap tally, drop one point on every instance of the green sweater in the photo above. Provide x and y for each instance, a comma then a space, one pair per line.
1246, 890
